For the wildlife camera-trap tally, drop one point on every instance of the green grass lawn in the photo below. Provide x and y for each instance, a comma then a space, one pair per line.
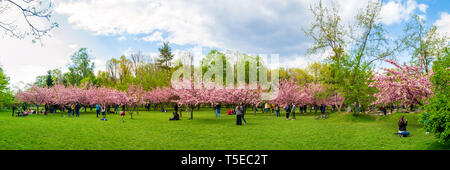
153, 131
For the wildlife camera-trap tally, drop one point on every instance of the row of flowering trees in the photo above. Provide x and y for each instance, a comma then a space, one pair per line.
288, 93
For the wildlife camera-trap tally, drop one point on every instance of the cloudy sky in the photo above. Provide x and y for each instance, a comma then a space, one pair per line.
111, 28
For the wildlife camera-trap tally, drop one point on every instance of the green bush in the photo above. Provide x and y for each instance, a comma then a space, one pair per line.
436, 116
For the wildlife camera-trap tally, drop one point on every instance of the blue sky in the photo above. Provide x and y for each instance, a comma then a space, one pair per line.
112, 28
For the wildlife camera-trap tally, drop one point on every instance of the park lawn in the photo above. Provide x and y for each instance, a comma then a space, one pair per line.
153, 131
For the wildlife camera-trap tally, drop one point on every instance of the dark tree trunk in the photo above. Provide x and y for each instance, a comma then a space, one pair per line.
192, 112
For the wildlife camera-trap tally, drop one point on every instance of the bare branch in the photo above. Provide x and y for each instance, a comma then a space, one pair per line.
29, 11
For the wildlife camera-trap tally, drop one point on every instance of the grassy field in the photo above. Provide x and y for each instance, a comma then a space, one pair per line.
153, 131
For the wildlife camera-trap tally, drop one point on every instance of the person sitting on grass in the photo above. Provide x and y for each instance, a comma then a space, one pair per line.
402, 123
175, 116
20, 113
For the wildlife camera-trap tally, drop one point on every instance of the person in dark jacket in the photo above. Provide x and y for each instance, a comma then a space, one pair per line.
402, 123
175, 116
288, 111
13, 109
77, 109
217, 108
176, 108
239, 113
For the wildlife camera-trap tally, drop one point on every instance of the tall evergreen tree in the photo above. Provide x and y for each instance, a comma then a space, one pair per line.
165, 57
49, 80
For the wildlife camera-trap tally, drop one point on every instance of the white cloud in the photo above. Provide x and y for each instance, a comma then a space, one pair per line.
443, 24
236, 25
396, 11
156, 36
122, 38
24, 61
423, 8
73, 46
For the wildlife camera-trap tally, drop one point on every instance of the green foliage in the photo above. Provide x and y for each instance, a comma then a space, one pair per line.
41, 81
53, 77
437, 113
81, 68
353, 82
6, 96
421, 41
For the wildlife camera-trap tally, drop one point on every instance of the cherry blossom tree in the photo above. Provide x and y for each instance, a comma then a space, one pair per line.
36, 95
405, 85
135, 96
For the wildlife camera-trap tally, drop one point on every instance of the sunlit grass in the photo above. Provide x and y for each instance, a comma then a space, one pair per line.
153, 131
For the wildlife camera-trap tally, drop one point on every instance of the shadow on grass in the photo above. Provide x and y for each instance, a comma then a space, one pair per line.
439, 146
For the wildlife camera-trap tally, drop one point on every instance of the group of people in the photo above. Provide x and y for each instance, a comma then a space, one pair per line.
74, 109
240, 113
24, 111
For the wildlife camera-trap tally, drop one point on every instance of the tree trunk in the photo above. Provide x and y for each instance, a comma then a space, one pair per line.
131, 113
137, 110
192, 113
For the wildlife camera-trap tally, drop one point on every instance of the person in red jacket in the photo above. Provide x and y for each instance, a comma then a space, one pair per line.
122, 113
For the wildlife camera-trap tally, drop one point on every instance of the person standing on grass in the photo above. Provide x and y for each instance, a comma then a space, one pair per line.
104, 113
97, 109
277, 110
72, 107
69, 109
244, 108
122, 114
239, 113
77, 109
13, 109
217, 107
293, 111
288, 111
